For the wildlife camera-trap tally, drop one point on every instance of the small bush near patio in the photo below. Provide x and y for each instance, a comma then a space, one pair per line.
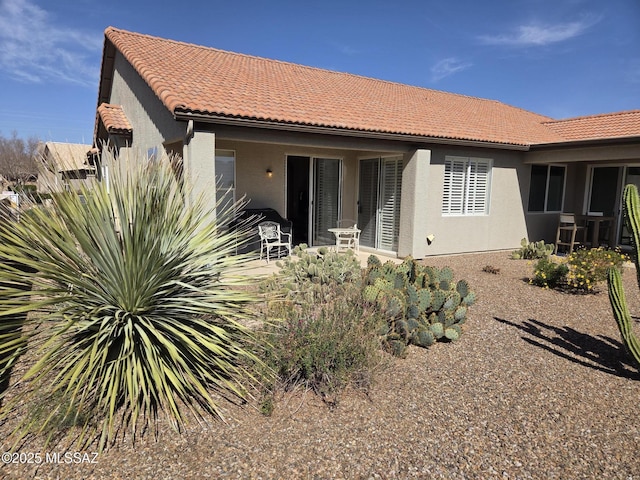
324, 345
319, 334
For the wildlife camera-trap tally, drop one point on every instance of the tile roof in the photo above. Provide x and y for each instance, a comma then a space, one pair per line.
192, 79
114, 119
608, 125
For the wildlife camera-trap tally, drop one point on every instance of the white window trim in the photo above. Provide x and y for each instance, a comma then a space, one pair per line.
546, 190
467, 163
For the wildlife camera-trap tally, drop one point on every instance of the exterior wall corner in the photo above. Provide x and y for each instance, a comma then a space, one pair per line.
413, 224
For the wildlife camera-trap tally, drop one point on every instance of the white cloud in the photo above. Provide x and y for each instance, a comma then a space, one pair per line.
447, 67
33, 49
538, 34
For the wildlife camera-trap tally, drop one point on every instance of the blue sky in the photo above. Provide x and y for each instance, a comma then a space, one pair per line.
560, 58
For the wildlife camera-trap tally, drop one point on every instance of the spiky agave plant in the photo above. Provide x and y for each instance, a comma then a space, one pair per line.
132, 309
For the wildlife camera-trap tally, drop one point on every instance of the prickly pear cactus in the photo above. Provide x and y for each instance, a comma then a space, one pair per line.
422, 304
310, 272
614, 280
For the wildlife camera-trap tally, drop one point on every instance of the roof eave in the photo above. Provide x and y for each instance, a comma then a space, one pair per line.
306, 128
586, 143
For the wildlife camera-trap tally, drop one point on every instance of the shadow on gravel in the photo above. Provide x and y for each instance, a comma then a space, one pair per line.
600, 353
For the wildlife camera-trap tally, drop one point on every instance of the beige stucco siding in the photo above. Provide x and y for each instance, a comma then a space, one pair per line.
153, 125
253, 160
502, 228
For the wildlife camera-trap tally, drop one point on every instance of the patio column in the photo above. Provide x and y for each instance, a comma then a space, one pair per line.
413, 222
200, 167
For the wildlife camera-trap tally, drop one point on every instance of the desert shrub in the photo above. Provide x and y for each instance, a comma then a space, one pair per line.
589, 267
549, 274
321, 345
532, 250
133, 308
580, 272
491, 269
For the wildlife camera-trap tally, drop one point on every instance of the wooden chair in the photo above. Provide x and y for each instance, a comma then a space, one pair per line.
350, 237
272, 237
567, 232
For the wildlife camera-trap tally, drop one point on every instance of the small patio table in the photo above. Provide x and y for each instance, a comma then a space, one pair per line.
346, 238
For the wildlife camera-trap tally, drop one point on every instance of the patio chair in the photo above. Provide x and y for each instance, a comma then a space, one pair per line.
272, 237
348, 236
568, 229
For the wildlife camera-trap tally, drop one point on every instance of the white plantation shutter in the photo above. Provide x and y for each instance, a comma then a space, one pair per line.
390, 207
478, 187
326, 199
454, 183
368, 201
466, 186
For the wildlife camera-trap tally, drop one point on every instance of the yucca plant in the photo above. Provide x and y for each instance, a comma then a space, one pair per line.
133, 310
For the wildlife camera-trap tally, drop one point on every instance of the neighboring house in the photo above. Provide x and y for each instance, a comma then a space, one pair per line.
65, 166
405, 162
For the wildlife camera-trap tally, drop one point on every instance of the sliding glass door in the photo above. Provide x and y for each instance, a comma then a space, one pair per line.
380, 188
326, 199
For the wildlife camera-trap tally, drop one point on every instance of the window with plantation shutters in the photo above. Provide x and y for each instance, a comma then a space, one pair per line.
467, 182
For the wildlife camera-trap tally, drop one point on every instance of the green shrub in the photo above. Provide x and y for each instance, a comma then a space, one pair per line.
580, 272
589, 267
549, 274
532, 250
322, 345
133, 308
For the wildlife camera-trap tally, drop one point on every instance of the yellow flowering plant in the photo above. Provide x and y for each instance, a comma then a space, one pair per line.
549, 274
588, 267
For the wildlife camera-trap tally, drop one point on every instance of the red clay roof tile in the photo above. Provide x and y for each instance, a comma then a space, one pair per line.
609, 125
194, 79
114, 119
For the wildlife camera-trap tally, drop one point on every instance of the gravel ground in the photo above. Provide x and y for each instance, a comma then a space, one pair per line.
537, 387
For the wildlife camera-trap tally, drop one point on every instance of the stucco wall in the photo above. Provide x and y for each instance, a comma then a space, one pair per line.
253, 160
153, 125
502, 228
413, 226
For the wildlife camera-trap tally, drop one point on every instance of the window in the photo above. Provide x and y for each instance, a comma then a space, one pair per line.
466, 186
152, 154
546, 189
225, 178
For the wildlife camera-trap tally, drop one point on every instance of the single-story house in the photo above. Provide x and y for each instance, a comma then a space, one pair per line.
423, 172
65, 166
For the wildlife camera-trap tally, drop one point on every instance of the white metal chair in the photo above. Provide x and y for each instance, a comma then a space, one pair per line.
568, 229
272, 237
348, 236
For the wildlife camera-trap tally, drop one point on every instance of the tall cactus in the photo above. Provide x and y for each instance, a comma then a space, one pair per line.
614, 279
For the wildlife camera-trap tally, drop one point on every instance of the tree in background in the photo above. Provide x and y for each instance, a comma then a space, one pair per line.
17, 159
